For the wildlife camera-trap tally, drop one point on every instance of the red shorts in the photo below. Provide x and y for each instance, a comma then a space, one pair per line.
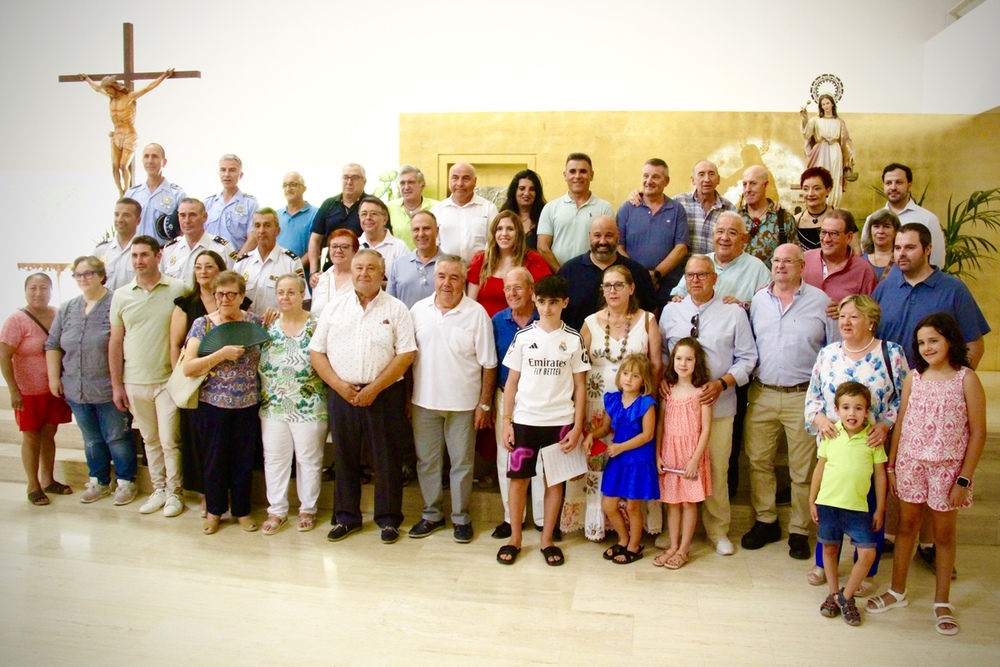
42, 409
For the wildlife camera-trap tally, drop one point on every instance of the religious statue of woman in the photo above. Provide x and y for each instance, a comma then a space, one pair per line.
124, 137
828, 145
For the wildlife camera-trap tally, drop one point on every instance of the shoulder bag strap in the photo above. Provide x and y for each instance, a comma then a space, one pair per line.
36, 320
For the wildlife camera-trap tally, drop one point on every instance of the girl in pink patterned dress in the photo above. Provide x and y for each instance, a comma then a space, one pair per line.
934, 456
685, 476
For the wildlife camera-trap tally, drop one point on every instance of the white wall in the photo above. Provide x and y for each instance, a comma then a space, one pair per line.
962, 64
311, 85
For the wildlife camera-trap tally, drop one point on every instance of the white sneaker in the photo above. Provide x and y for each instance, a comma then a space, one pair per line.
126, 492
724, 547
174, 505
155, 502
95, 491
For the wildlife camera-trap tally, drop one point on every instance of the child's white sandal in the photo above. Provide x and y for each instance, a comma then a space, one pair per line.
945, 619
878, 605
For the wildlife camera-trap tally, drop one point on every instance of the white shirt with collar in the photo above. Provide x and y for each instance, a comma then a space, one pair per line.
462, 230
117, 262
390, 248
915, 213
262, 273
453, 349
178, 256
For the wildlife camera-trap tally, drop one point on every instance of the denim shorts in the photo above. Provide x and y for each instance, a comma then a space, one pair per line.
834, 523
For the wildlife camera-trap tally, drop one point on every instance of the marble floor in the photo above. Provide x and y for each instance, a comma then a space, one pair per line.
105, 585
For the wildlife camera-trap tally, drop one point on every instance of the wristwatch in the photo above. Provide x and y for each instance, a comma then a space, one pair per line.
657, 274
485, 407
725, 385
963, 482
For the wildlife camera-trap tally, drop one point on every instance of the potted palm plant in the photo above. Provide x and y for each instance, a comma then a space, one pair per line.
964, 251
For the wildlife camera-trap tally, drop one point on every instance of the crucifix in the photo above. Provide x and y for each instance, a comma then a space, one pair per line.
120, 88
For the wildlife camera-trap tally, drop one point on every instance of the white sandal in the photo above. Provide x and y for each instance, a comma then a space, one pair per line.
878, 605
945, 619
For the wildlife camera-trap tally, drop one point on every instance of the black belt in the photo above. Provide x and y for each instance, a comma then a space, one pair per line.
802, 386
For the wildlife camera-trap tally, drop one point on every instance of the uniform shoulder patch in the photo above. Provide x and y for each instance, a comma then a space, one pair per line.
170, 243
240, 258
221, 240
291, 254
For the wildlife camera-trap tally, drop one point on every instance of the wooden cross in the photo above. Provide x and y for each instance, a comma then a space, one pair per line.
129, 76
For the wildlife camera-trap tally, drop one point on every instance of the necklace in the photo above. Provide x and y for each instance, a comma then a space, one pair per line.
607, 339
818, 215
860, 349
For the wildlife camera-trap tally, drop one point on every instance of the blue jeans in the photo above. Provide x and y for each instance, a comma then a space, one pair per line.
107, 438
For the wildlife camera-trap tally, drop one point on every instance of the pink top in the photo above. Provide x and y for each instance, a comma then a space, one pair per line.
491, 296
857, 276
936, 421
28, 341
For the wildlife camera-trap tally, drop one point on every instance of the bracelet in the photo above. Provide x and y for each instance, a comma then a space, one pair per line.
892, 470
507, 418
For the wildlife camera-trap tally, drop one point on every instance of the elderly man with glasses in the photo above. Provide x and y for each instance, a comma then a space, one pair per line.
724, 332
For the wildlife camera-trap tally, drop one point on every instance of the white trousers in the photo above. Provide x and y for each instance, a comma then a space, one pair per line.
158, 421
281, 440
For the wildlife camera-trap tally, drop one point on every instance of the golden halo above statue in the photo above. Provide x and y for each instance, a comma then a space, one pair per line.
828, 84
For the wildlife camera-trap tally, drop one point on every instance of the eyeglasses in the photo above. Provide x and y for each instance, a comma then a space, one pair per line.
701, 275
352, 177
784, 262
830, 234
289, 186
612, 287
226, 296
513, 289
84, 275
341, 247
283, 293
694, 325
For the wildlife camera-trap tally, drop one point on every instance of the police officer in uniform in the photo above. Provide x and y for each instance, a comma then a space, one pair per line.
231, 211
157, 197
179, 254
117, 250
263, 265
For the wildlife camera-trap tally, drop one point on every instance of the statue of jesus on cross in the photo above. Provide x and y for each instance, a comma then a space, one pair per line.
124, 137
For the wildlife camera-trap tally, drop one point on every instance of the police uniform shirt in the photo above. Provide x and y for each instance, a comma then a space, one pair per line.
179, 257
117, 262
230, 220
161, 201
262, 275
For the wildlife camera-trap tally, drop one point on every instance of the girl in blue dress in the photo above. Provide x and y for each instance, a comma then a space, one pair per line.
631, 470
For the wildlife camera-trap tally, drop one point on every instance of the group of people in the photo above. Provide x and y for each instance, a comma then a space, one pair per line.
663, 339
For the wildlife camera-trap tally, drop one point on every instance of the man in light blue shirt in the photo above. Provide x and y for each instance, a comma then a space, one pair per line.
740, 274
724, 332
564, 226
157, 196
790, 326
412, 276
296, 218
231, 211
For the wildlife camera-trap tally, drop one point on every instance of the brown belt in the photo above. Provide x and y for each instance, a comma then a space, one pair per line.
802, 386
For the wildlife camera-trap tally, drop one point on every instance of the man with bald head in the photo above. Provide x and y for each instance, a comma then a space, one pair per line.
724, 332
740, 274
296, 218
703, 206
768, 225
790, 327
337, 212
157, 197
585, 273
564, 223
464, 218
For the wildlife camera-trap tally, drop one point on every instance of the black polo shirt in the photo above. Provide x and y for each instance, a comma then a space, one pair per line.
585, 287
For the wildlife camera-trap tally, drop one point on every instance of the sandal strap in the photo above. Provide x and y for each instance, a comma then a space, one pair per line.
943, 605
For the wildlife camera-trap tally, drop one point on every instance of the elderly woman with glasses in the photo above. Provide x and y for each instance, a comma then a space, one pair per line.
226, 419
618, 329
77, 357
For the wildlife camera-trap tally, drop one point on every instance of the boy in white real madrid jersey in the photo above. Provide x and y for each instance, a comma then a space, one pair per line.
545, 396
